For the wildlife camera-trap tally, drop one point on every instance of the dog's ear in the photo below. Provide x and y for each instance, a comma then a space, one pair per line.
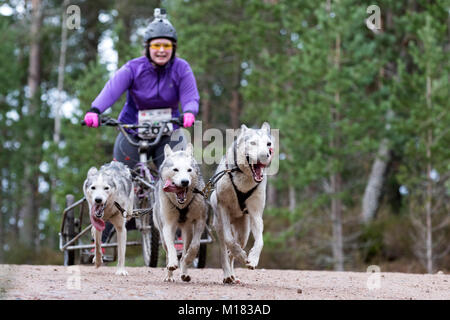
167, 151
243, 128
92, 171
242, 131
190, 149
266, 126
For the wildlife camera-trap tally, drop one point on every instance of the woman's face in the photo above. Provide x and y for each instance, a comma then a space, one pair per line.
161, 51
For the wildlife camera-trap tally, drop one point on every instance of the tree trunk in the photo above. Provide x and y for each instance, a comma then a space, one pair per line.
292, 198
90, 11
57, 128
336, 219
372, 193
30, 209
271, 194
34, 69
429, 195
335, 179
2, 228
235, 108
4, 170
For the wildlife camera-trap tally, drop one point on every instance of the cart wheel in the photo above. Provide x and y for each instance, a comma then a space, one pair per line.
150, 236
69, 231
200, 260
150, 242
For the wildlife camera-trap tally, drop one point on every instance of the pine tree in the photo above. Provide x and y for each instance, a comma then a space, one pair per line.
425, 169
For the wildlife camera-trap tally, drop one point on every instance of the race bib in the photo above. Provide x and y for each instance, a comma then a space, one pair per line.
154, 117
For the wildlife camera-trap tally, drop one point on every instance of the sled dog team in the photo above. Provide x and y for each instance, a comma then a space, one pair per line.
238, 203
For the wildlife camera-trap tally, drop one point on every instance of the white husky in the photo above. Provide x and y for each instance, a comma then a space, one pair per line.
180, 205
104, 189
239, 198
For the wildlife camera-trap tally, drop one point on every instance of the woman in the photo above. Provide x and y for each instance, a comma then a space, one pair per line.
158, 80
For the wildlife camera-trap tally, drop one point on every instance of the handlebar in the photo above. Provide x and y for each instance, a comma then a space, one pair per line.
111, 122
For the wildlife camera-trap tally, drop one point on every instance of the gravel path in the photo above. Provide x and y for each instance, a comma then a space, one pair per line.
86, 282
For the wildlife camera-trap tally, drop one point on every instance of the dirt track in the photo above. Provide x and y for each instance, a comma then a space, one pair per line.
58, 282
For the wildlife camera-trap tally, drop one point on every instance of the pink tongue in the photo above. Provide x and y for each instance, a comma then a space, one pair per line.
99, 224
170, 186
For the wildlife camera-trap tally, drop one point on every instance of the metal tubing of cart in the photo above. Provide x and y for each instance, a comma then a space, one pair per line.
104, 245
67, 209
76, 237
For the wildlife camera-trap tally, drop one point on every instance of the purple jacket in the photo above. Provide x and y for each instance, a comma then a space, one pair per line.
150, 87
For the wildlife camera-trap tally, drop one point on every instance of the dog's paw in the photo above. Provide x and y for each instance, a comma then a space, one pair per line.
250, 266
228, 280
185, 278
122, 272
231, 280
172, 267
252, 261
169, 279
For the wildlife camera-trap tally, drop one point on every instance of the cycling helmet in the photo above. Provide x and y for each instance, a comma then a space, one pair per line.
160, 27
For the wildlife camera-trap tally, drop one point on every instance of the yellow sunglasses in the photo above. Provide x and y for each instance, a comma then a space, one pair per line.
157, 46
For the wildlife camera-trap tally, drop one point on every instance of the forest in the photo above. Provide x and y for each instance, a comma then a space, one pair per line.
361, 108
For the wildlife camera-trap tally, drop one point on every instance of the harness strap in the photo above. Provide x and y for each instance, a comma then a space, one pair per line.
198, 191
242, 196
183, 213
119, 207
209, 187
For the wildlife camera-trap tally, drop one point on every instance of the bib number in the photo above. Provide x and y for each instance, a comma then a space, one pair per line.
153, 117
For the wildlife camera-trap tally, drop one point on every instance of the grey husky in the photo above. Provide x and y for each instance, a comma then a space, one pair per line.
104, 189
239, 198
179, 204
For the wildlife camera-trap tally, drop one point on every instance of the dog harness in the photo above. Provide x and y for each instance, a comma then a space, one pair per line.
241, 196
183, 213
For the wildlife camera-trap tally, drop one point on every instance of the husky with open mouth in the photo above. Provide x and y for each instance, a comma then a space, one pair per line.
239, 198
102, 189
179, 204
